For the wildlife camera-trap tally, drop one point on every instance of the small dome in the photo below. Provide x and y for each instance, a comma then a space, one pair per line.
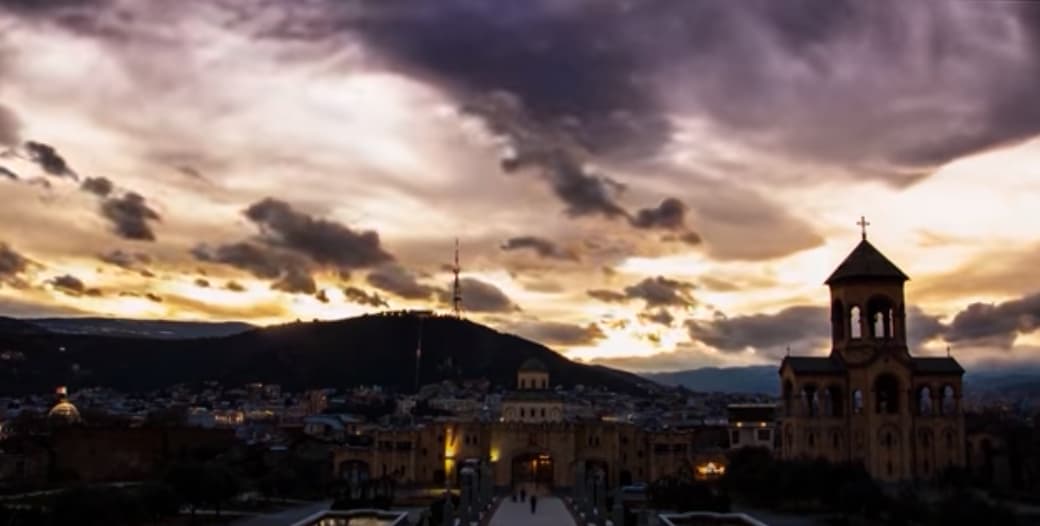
64, 412
534, 365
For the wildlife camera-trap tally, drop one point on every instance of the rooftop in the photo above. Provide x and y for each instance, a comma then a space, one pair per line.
866, 262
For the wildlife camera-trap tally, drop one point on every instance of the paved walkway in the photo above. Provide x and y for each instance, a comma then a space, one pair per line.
288, 516
551, 512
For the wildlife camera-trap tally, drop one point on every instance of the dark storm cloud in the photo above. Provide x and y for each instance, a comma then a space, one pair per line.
543, 247
10, 128
360, 297
130, 216
997, 324
669, 215
660, 317
478, 296
99, 186
12, 265
73, 286
258, 260
655, 292
661, 291
127, 260
8, 174
296, 281
202, 282
325, 242
234, 286
397, 280
887, 89
552, 155
49, 159
801, 327
608, 296
556, 333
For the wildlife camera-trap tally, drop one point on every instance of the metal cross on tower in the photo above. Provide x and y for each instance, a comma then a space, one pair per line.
863, 224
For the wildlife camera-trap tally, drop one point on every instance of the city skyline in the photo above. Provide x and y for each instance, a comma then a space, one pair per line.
644, 186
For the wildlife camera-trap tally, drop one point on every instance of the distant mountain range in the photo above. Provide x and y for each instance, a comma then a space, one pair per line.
124, 328
367, 350
1011, 381
750, 379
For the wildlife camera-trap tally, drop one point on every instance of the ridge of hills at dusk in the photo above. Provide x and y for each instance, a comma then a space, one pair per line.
366, 350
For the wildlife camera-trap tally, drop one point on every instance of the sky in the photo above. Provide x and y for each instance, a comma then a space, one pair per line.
652, 185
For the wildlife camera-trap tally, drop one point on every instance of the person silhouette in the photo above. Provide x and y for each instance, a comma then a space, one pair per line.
534, 503
523, 494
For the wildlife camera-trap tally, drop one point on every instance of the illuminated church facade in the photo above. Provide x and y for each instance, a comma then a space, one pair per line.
870, 400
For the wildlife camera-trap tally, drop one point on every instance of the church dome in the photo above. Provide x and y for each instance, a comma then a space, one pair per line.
64, 412
534, 365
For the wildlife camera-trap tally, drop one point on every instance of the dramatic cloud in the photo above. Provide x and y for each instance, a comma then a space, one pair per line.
397, 280
656, 292
556, 333
12, 265
202, 282
777, 74
608, 296
100, 186
803, 328
8, 174
660, 317
543, 247
296, 281
127, 260
996, 324
9, 128
130, 216
360, 297
661, 291
234, 286
48, 158
479, 297
259, 260
325, 242
669, 215
73, 286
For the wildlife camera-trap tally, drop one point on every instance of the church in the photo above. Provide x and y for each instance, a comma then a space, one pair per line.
870, 401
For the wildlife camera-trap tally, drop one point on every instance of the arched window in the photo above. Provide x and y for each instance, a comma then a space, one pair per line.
810, 400
924, 401
949, 401
855, 323
857, 402
880, 312
826, 405
837, 401
886, 393
838, 321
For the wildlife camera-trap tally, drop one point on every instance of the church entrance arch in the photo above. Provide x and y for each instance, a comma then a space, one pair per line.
532, 468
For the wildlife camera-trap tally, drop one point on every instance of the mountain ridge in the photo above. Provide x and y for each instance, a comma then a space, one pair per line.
375, 349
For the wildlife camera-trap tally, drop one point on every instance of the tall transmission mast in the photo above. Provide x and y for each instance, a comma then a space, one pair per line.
456, 289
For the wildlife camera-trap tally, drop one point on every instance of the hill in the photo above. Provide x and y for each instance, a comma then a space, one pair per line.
141, 328
750, 379
373, 349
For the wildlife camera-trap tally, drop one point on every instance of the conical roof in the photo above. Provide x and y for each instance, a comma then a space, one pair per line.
866, 262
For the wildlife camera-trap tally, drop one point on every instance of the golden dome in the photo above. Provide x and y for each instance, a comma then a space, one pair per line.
65, 412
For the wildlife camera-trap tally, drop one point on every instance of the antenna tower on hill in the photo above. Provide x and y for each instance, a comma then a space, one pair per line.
456, 289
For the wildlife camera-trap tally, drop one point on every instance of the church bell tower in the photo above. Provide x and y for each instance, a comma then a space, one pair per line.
868, 311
